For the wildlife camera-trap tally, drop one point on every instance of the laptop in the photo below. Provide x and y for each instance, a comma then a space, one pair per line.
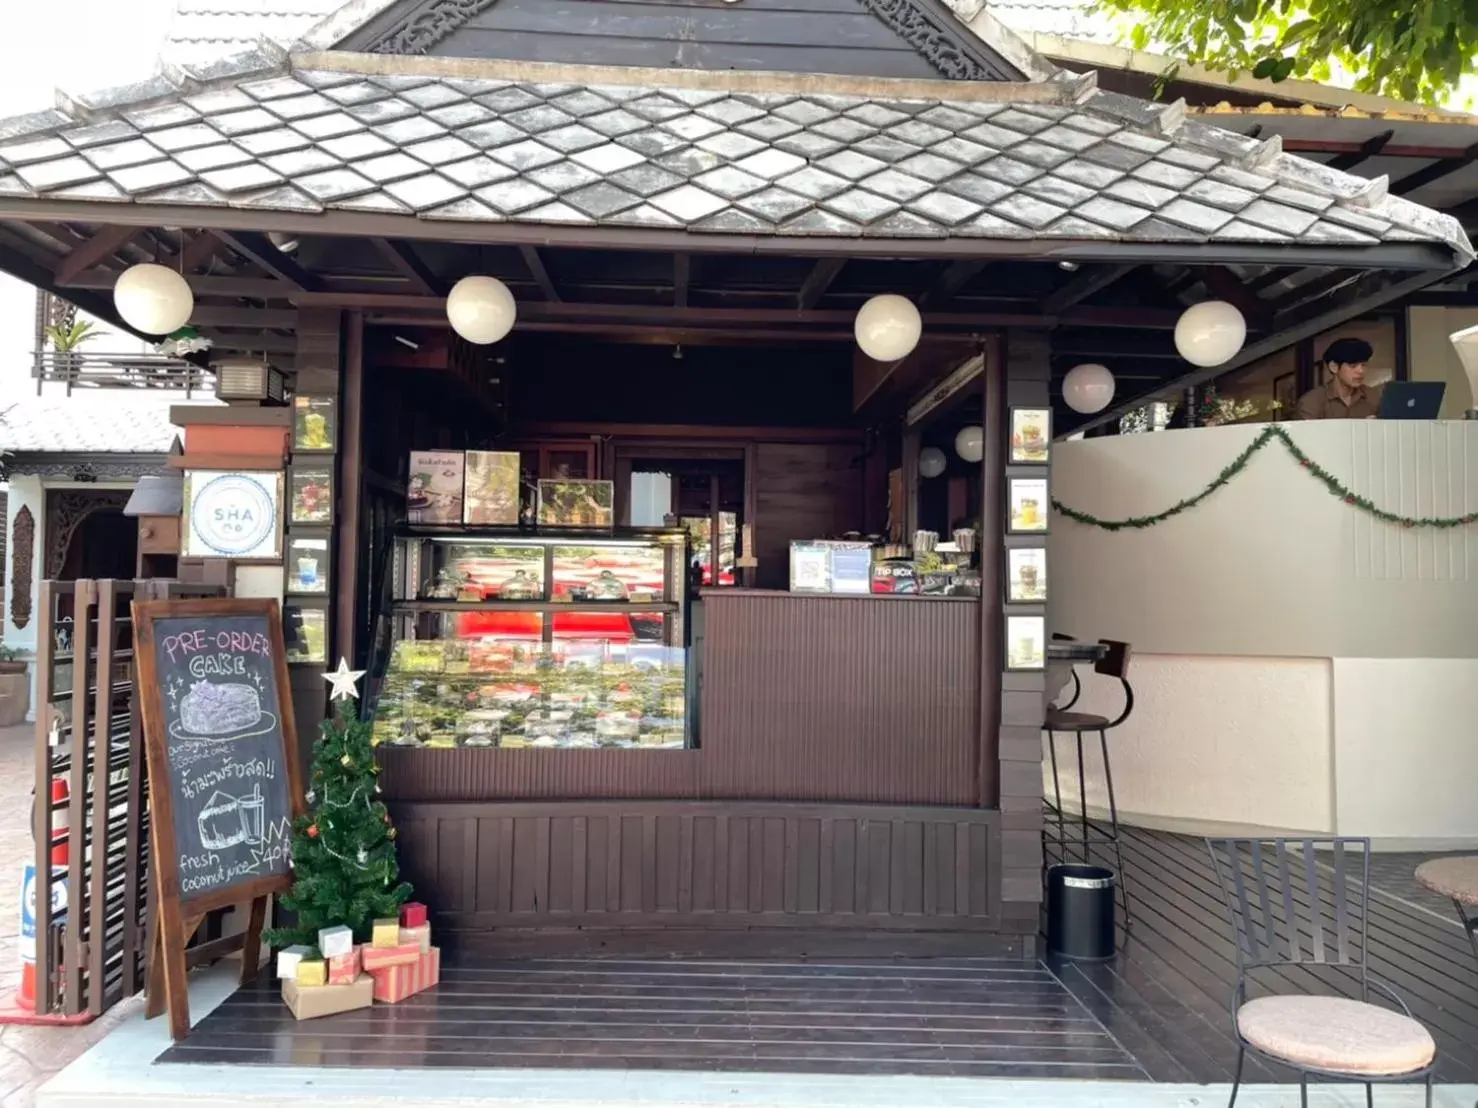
1411, 400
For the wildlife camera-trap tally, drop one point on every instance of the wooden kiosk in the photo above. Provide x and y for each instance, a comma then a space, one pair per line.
688, 246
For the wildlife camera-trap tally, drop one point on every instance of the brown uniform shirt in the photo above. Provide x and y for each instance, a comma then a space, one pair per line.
1326, 403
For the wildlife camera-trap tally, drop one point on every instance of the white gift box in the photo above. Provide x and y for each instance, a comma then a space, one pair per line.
334, 942
288, 959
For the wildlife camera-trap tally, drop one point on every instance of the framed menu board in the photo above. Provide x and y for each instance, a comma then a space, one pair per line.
224, 788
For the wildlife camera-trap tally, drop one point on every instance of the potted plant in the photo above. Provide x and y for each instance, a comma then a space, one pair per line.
67, 340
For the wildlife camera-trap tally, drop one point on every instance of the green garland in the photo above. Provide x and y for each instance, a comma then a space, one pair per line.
1271, 434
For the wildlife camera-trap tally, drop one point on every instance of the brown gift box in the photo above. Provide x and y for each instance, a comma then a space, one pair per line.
312, 1001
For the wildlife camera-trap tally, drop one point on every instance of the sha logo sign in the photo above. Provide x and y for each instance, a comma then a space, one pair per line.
233, 515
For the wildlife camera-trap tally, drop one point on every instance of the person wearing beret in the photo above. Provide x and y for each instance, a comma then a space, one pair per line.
1344, 395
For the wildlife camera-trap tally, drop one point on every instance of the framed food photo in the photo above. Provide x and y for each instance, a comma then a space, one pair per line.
307, 566
576, 503
312, 495
1026, 575
1028, 505
1031, 436
315, 425
1026, 642
305, 634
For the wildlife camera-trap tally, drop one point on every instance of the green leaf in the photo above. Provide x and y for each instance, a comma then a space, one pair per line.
1263, 70
1283, 70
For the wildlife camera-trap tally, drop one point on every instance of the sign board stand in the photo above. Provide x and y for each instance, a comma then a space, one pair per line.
224, 783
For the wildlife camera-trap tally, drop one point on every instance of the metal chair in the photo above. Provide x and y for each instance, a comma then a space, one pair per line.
1283, 914
1115, 664
1456, 879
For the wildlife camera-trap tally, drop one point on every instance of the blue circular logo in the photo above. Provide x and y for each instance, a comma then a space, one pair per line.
234, 514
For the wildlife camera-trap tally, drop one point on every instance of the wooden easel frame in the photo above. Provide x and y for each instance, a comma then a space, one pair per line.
174, 919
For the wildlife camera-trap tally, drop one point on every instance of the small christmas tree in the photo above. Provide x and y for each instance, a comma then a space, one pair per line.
343, 851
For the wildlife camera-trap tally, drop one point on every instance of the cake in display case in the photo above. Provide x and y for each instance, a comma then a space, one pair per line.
514, 639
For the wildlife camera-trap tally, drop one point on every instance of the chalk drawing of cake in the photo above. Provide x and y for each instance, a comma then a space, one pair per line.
211, 713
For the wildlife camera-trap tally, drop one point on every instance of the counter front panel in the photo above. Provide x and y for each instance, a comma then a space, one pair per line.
867, 699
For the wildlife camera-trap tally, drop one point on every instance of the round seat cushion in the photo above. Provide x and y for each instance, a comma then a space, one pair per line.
1335, 1033
1454, 878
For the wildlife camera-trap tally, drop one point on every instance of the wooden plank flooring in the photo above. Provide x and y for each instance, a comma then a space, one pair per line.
1157, 1012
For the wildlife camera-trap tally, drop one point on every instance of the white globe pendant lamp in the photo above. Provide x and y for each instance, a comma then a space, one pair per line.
970, 443
1210, 333
153, 299
1088, 388
481, 309
888, 327
931, 461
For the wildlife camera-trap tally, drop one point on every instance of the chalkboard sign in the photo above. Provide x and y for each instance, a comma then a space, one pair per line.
223, 768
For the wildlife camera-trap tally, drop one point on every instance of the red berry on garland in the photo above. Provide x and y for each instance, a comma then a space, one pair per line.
1349, 500
312, 831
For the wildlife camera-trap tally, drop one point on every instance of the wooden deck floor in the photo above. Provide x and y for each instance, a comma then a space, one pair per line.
1157, 1012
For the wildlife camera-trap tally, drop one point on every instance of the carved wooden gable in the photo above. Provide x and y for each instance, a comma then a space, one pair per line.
874, 38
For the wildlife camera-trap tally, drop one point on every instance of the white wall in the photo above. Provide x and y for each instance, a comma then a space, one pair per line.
1406, 753
1299, 666
24, 492
1432, 358
1272, 564
1213, 745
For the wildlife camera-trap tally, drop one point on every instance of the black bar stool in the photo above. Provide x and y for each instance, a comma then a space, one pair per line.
1115, 664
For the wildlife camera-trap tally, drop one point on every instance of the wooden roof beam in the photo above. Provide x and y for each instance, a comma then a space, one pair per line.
198, 251
409, 265
1433, 173
1223, 284
956, 276
540, 273
1364, 152
822, 274
682, 270
105, 243
256, 247
1083, 286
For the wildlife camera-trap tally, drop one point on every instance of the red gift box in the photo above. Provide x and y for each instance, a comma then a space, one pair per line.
412, 914
398, 982
344, 970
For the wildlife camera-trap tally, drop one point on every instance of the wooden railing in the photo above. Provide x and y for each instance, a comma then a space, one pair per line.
89, 736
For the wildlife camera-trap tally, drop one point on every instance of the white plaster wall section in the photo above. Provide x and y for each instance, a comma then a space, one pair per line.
1415, 469
1272, 564
1406, 756
1215, 744
24, 492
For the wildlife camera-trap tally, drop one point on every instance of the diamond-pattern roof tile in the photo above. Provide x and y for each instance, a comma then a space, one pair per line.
921, 160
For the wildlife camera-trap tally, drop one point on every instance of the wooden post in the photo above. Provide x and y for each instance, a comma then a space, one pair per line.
350, 487
992, 541
1022, 703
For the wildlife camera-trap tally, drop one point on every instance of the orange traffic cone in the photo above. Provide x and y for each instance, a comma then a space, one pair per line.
60, 797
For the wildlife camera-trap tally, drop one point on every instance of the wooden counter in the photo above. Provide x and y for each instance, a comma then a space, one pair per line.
862, 698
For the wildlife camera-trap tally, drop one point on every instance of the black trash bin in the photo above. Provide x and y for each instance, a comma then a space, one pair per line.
1080, 912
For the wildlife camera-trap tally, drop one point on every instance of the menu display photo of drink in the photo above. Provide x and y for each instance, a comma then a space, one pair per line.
1028, 518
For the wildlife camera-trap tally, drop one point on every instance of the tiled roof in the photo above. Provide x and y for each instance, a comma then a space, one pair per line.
86, 424
1067, 18
758, 154
203, 29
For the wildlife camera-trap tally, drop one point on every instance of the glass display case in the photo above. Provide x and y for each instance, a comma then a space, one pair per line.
514, 639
